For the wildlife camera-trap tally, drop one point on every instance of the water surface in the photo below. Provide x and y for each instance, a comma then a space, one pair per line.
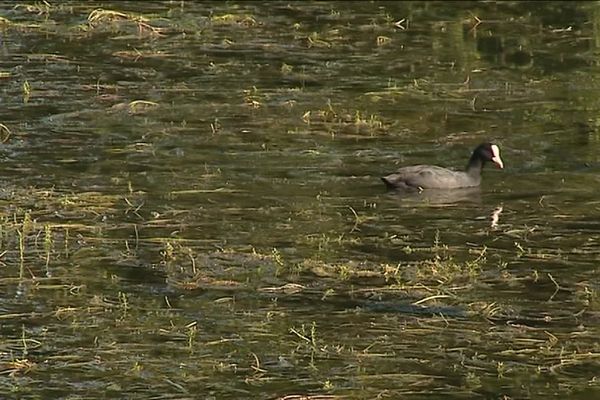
191, 203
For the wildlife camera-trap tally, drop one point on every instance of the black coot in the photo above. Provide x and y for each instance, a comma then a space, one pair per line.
419, 177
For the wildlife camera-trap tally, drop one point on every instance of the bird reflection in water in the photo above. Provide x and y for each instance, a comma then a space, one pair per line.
496, 216
438, 197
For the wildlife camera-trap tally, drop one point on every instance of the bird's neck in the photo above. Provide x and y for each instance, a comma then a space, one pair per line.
474, 166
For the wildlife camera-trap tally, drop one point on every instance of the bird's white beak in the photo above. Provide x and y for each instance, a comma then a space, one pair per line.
498, 162
496, 157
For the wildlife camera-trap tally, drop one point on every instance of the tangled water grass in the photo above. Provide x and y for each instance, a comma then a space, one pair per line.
423, 322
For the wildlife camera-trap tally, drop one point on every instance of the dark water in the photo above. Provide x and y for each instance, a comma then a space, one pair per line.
191, 203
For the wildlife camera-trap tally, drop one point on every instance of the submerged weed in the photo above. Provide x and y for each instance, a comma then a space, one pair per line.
26, 91
307, 334
253, 98
277, 257
48, 243
168, 252
192, 332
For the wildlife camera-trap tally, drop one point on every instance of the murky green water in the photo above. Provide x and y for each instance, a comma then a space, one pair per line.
191, 203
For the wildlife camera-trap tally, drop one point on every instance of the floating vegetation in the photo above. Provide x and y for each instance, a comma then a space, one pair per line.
135, 107
100, 17
314, 40
437, 271
347, 271
45, 219
383, 40
5, 133
141, 106
253, 98
26, 91
203, 282
245, 20
209, 271
136, 55
344, 122
16, 367
6, 23
39, 8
